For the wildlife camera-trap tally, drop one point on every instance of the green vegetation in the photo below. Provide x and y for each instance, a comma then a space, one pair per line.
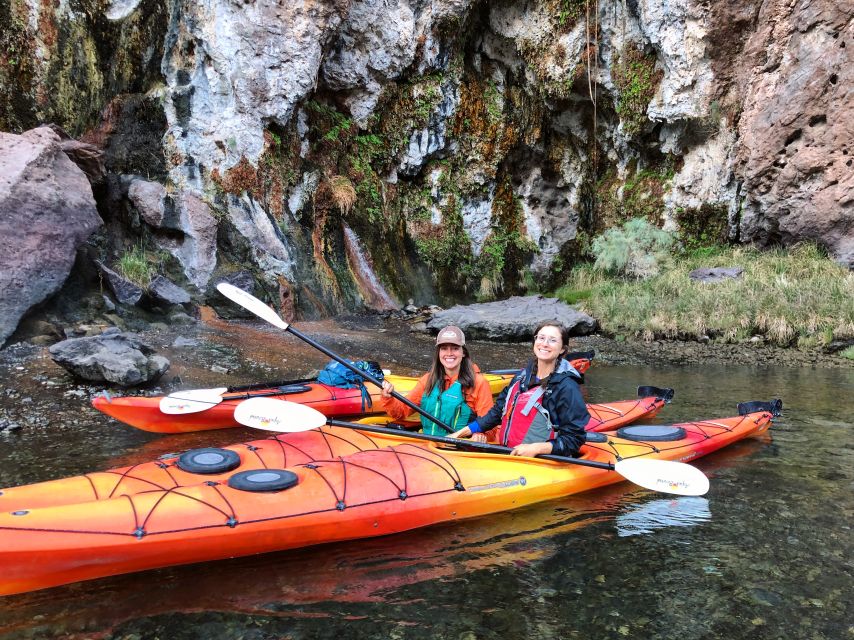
640, 196
637, 249
702, 227
135, 266
848, 353
788, 297
569, 11
636, 79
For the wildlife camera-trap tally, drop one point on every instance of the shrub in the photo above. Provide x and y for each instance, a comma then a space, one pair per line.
636, 249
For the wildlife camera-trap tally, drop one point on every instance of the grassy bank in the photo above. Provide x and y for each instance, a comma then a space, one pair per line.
796, 297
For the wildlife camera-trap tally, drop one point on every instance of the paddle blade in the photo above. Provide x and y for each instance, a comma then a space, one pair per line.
664, 475
251, 303
278, 415
191, 401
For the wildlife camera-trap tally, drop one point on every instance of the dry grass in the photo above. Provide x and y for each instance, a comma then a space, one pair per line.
343, 193
795, 296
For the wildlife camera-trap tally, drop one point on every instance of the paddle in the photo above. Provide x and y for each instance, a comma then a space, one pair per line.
196, 400
253, 304
658, 475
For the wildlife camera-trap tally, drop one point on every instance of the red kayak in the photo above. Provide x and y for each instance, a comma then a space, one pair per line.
217, 411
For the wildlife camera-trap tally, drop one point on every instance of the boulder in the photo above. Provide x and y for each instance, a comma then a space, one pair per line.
47, 212
118, 358
163, 289
126, 292
224, 307
511, 320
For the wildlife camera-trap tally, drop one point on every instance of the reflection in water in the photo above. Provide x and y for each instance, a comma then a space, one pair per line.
369, 572
684, 511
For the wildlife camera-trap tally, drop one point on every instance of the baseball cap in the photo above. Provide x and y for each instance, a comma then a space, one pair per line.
451, 335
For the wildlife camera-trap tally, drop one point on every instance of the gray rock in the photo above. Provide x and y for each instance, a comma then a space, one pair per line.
47, 212
148, 198
121, 359
511, 320
126, 292
164, 289
716, 274
224, 307
181, 318
195, 249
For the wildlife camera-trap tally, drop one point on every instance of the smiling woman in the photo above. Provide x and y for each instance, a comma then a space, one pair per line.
453, 390
542, 410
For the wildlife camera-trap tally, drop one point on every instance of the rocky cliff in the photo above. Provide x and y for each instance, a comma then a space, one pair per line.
457, 148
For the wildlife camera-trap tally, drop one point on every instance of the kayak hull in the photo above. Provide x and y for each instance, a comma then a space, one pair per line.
349, 485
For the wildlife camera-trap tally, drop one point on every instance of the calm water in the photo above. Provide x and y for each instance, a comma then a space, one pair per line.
768, 553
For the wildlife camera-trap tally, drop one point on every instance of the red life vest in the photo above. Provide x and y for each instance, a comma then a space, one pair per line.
524, 418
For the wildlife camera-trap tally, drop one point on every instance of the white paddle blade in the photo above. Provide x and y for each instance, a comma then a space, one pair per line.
664, 475
251, 303
278, 415
191, 401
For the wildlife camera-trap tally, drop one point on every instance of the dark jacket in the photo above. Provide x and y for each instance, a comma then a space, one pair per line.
562, 399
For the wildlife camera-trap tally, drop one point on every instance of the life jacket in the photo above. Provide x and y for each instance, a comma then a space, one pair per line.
448, 405
524, 419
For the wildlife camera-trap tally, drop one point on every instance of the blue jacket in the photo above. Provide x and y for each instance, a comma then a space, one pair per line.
562, 399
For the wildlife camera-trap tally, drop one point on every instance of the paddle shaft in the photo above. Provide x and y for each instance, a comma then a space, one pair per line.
467, 444
268, 385
367, 376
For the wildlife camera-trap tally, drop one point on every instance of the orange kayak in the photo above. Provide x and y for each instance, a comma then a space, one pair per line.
301, 489
144, 412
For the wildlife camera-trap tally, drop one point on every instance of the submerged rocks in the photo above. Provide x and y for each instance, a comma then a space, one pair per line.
119, 358
512, 320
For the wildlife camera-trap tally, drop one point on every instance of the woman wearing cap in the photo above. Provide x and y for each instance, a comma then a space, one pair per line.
453, 390
542, 410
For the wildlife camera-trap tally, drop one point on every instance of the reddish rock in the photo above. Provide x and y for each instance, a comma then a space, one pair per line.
46, 212
795, 152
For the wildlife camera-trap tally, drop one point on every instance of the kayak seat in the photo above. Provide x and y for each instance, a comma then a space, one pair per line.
263, 480
595, 436
208, 460
774, 407
665, 393
651, 433
293, 388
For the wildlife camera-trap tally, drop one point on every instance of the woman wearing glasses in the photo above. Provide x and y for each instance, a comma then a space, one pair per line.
541, 411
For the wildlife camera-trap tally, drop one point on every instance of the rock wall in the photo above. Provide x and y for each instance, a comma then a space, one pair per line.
470, 148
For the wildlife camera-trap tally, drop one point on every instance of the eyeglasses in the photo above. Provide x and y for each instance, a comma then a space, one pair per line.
549, 340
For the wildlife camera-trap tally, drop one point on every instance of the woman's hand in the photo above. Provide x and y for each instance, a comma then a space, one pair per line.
462, 433
388, 388
532, 449
465, 432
